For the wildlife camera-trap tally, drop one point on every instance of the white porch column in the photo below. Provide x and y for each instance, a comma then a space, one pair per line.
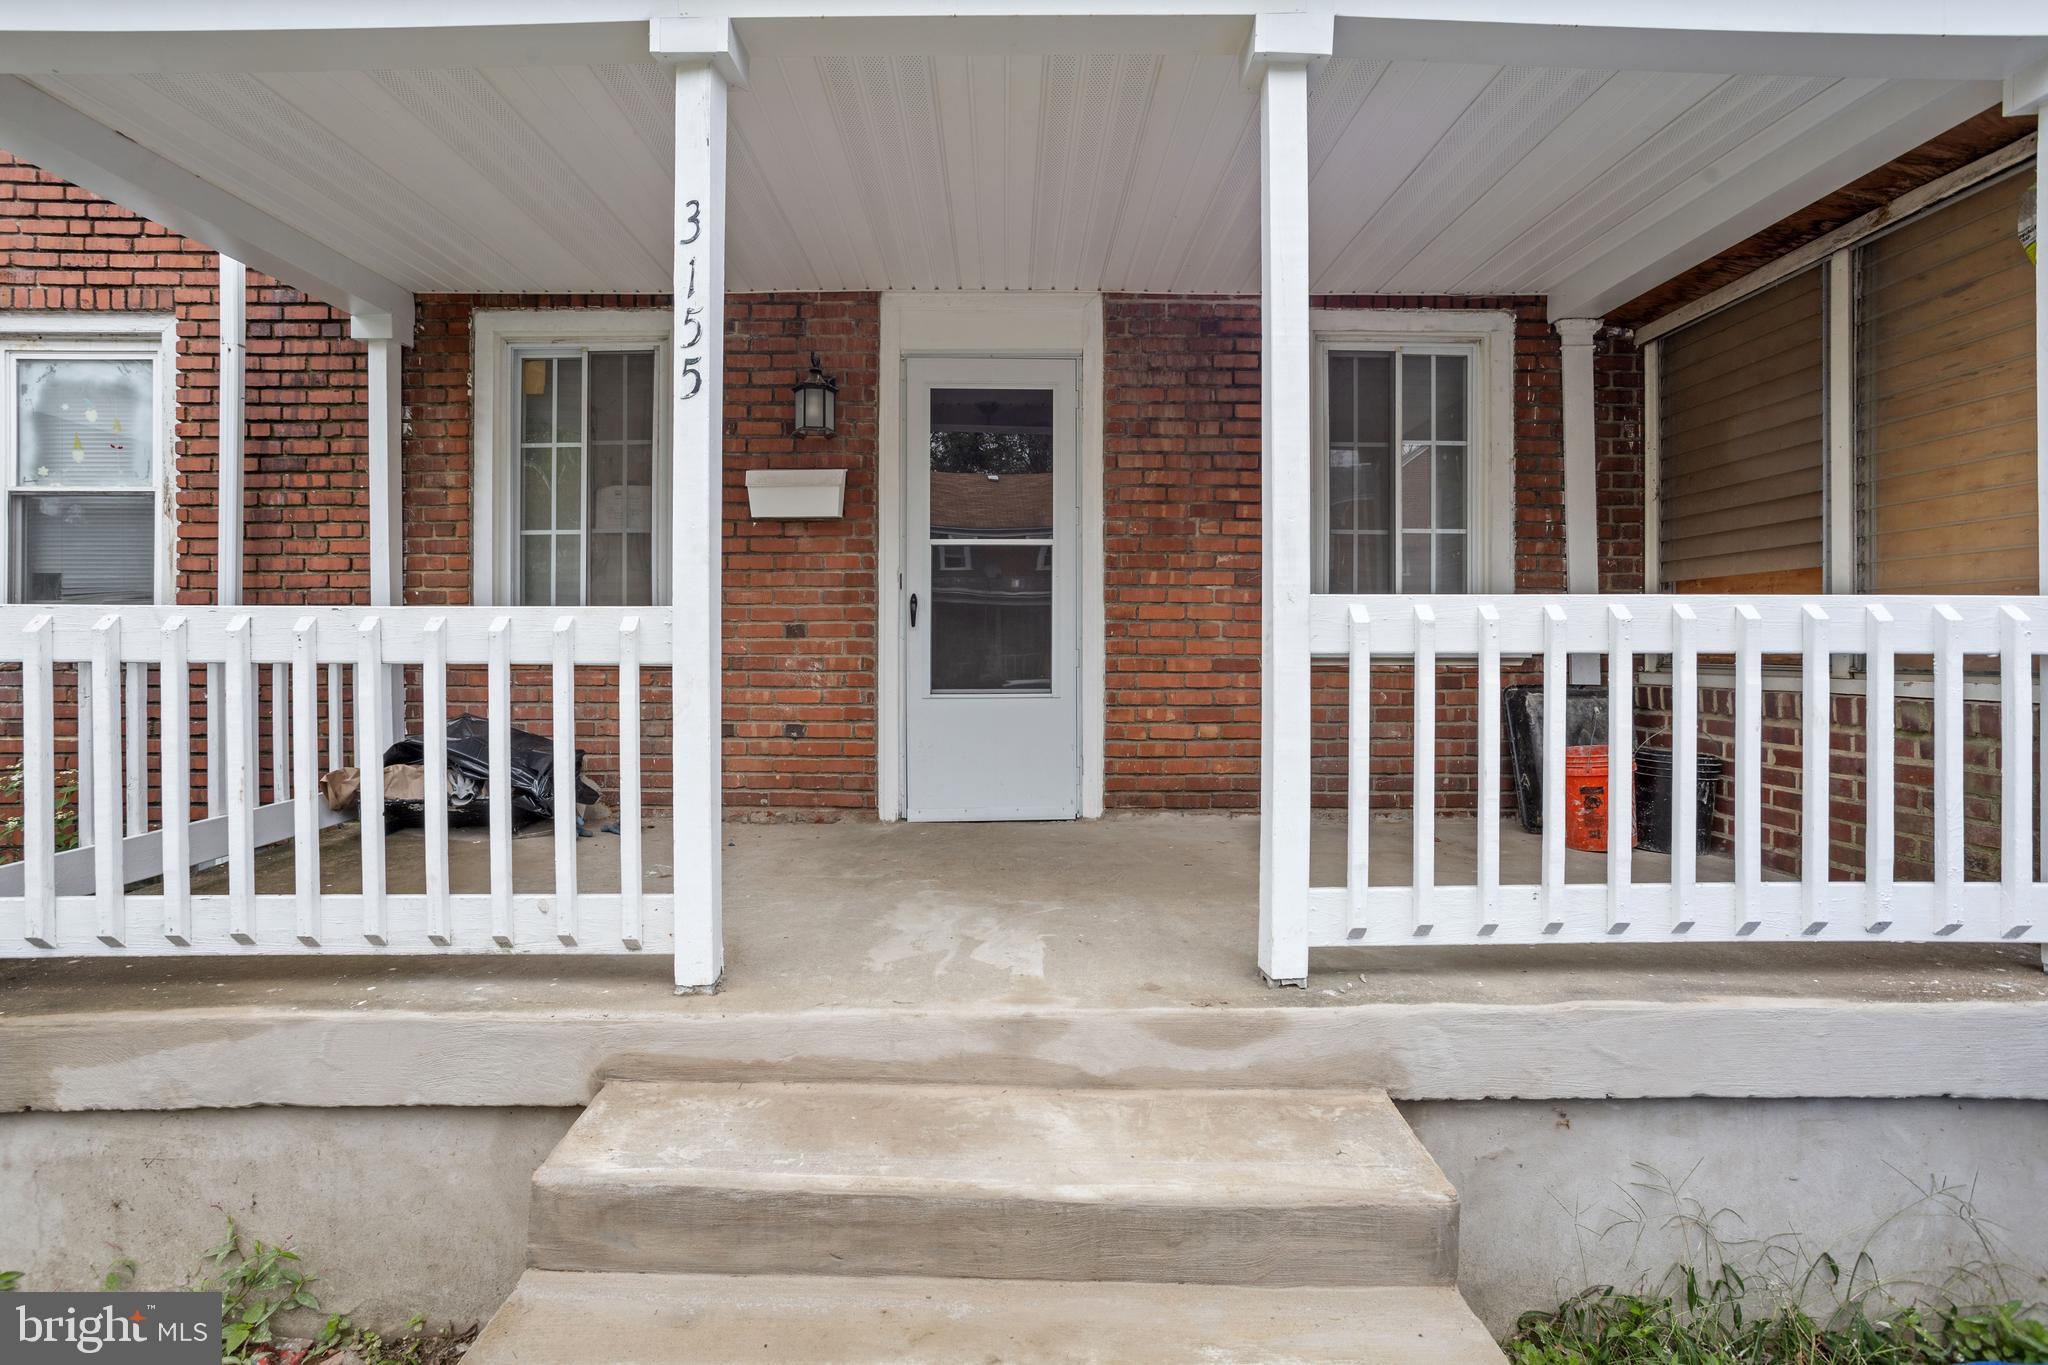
387, 521
708, 57
234, 309
387, 515
1281, 49
1581, 479
230, 412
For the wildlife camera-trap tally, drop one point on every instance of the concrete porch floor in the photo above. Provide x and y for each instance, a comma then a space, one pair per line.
1117, 951
1128, 911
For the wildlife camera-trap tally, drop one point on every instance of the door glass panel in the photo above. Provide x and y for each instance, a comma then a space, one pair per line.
991, 481
991, 464
991, 618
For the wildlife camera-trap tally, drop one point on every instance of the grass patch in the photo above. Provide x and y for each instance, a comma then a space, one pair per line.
1708, 1324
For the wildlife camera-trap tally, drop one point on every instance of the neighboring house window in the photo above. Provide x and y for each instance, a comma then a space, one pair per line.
1928, 485
1740, 401
1399, 469
81, 464
586, 502
1945, 400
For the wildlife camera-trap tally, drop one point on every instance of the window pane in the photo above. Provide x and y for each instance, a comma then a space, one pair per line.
85, 423
536, 570
1343, 398
569, 399
1450, 562
1417, 496
640, 396
568, 571
568, 487
537, 400
536, 489
1343, 572
992, 621
88, 548
1343, 471
1451, 509
991, 463
1376, 397
1415, 398
1374, 562
1450, 397
1415, 561
609, 397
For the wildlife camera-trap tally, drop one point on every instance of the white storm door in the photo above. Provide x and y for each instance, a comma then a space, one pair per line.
990, 619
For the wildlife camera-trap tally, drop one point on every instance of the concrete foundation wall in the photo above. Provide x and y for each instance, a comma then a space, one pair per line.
1559, 1196
396, 1211
424, 1210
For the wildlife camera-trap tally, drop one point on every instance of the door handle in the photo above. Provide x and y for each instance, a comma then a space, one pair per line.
913, 611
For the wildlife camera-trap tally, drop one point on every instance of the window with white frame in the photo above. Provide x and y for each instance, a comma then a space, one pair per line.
80, 465
1400, 468
586, 504
1861, 418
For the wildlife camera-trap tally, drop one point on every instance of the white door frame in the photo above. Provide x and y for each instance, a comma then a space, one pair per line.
1007, 324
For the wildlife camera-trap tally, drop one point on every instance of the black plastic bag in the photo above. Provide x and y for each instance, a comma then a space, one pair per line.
469, 774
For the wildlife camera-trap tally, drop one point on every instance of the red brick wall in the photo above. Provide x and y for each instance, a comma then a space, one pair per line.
1180, 476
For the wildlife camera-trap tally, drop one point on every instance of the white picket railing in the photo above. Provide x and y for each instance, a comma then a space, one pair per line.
78, 902
1415, 634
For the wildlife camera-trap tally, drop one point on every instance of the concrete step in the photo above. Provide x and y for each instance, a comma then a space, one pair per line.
554, 1318
1254, 1187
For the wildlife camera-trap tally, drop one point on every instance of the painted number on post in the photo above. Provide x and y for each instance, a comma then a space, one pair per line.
690, 339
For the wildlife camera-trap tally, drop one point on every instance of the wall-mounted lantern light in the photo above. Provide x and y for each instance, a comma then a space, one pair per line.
817, 401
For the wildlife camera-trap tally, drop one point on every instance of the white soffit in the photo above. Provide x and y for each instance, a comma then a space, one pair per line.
850, 169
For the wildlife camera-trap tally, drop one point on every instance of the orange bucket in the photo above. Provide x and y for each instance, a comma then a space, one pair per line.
1585, 799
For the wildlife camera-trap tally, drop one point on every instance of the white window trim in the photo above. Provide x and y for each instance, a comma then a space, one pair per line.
1491, 335
154, 334
495, 334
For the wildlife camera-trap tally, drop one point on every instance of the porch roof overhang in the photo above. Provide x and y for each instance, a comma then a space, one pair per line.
1468, 147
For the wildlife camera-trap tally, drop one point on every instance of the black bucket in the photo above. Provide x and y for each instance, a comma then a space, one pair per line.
1654, 768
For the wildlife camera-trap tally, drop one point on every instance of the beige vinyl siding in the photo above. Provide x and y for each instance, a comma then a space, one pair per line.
1739, 445
1945, 400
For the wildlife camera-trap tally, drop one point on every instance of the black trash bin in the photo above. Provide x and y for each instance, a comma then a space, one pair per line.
1655, 767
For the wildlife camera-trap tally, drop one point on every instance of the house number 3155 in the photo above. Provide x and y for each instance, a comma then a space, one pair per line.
689, 374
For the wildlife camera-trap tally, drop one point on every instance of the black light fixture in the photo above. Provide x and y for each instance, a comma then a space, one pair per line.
817, 402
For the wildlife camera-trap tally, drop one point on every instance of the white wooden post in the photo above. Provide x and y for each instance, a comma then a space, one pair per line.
387, 516
38, 788
230, 412
1581, 481
708, 57
228, 402
1281, 48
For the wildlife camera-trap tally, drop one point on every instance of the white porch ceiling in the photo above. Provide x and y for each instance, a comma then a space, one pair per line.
1127, 171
